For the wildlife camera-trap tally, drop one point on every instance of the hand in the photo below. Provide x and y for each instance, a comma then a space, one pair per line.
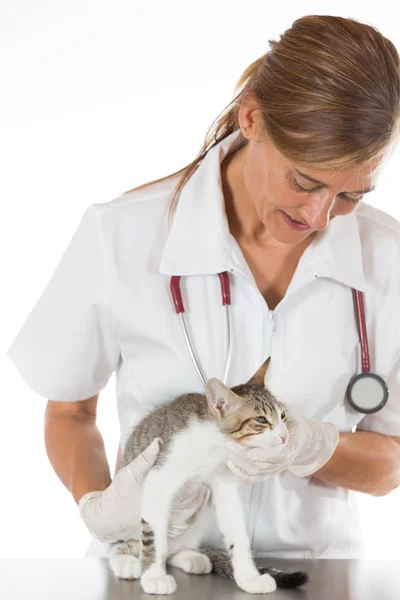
310, 445
114, 514
186, 505
254, 464
314, 443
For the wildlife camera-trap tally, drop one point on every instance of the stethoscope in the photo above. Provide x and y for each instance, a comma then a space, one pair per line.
366, 392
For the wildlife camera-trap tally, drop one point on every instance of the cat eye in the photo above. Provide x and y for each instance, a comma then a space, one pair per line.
283, 415
260, 419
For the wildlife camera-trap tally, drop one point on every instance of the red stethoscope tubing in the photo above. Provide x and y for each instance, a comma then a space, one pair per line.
180, 309
361, 326
362, 329
177, 296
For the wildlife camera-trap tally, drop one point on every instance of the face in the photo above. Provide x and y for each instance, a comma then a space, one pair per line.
272, 186
250, 416
259, 424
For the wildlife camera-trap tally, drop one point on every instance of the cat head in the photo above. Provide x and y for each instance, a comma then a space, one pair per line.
249, 413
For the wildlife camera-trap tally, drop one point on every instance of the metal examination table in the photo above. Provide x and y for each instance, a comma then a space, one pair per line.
90, 578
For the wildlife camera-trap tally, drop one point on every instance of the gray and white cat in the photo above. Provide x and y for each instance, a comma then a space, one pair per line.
194, 429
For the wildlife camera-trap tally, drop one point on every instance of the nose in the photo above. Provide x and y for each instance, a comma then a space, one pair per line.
317, 211
283, 438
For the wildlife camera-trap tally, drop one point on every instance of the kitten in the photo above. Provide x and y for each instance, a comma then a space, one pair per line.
194, 429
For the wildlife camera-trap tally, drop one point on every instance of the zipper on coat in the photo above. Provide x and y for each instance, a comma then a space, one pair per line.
272, 329
256, 489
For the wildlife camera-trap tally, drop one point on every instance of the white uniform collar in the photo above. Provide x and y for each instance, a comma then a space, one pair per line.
199, 241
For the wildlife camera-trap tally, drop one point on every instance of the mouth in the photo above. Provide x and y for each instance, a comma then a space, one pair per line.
296, 220
294, 223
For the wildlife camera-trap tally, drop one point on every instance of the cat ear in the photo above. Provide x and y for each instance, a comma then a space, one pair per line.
260, 376
221, 399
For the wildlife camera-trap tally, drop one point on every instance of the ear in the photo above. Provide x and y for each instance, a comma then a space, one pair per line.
221, 399
260, 376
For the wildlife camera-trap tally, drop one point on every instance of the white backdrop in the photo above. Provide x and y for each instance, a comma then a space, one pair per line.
97, 98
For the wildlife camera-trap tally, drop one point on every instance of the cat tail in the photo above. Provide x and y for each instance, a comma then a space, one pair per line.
222, 565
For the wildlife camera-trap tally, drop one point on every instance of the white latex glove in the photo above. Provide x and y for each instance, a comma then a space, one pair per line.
310, 445
114, 514
186, 505
314, 443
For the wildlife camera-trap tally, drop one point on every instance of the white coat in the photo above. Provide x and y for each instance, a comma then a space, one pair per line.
108, 307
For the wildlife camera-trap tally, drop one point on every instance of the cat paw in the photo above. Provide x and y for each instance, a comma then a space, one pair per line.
125, 566
155, 581
191, 562
259, 584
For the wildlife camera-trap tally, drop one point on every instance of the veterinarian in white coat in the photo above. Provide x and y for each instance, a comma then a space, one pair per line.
108, 308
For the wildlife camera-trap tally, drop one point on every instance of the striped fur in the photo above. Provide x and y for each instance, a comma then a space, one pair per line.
194, 429
222, 565
147, 549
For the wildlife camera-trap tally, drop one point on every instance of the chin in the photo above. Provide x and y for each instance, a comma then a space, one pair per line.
290, 238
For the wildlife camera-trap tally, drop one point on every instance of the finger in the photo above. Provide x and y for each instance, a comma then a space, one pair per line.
151, 452
236, 448
239, 461
256, 468
196, 498
186, 502
243, 475
175, 530
185, 517
141, 465
249, 465
190, 488
247, 454
203, 503
204, 498
187, 492
271, 455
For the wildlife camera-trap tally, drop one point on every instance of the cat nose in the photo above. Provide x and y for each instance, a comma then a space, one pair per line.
283, 438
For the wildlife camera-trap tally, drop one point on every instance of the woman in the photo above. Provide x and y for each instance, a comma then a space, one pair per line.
275, 199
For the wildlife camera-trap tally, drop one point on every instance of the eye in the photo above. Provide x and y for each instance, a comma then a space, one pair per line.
283, 415
260, 419
302, 189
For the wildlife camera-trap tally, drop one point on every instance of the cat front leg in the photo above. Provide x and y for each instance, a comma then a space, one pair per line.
231, 520
154, 544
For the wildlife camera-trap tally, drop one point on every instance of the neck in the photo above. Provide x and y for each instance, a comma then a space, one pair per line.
244, 222
242, 218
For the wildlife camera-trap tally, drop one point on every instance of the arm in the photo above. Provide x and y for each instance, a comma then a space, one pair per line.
111, 509
75, 446
364, 461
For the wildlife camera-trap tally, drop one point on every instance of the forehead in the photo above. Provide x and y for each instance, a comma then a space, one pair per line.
261, 400
365, 171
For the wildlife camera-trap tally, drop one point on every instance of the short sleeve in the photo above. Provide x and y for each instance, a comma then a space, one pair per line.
386, 420
66, 349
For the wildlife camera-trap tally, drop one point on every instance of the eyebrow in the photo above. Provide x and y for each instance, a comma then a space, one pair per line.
325, 185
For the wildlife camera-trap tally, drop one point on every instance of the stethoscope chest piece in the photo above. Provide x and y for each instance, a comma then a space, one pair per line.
367, 393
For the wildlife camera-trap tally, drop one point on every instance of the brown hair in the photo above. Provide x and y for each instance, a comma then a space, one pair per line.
329, 94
